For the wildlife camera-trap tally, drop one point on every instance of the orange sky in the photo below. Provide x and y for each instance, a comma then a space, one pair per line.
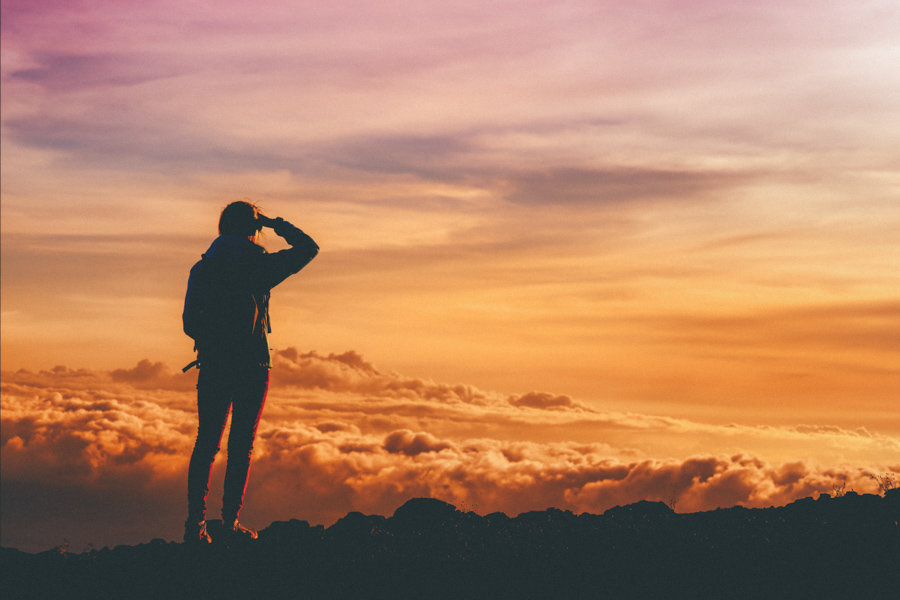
685, 212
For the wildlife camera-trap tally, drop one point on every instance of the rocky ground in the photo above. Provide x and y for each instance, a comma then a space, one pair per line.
824, 548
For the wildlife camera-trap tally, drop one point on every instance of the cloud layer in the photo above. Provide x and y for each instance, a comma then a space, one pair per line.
101, 457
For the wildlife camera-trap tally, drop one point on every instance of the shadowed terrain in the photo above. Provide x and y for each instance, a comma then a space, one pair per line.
824, 548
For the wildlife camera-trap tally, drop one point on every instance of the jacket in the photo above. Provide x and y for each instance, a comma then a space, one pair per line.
226, 306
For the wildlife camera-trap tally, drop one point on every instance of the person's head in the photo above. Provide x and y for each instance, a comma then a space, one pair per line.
239, 218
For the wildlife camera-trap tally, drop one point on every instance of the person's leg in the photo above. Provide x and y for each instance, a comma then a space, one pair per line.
213, 405
248, 401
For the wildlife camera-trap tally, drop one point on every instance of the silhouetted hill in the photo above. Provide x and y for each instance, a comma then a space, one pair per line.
826, 548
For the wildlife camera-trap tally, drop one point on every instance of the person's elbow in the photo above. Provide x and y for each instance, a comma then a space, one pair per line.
311, 248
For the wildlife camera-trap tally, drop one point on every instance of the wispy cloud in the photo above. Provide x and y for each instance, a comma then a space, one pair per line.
73, 72
609, 185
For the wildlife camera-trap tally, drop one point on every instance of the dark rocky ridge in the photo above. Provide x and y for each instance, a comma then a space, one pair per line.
824, 548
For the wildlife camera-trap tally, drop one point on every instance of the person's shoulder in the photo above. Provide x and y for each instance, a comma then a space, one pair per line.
233, 247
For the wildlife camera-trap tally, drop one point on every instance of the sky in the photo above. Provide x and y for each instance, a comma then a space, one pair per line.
573, 254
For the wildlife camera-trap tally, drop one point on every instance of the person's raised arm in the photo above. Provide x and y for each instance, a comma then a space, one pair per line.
280, 265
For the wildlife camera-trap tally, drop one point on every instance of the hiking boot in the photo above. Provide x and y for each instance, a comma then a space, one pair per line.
239, 531
195, 533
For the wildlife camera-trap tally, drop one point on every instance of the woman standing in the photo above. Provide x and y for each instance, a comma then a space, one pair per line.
226, 312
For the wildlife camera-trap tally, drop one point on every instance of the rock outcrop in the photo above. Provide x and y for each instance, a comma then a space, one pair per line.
824, 548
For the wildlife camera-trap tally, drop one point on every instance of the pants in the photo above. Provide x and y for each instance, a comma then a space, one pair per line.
220, 390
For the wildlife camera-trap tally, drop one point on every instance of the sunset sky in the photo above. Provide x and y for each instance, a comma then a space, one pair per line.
573, 254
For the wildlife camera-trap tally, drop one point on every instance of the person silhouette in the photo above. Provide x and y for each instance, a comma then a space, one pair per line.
226, 312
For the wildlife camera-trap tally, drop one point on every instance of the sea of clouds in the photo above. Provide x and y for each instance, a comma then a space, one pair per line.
100, 457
